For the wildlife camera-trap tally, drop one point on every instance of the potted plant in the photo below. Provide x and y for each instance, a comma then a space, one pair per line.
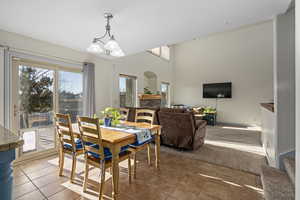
112, 116
209, 110
147, 90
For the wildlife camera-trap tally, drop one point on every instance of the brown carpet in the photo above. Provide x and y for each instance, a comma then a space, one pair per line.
237, 148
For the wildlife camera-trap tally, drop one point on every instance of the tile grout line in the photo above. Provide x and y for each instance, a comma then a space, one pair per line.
34, 184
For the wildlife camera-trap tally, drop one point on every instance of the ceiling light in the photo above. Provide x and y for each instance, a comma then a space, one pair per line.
95, 47
112, 44
107, 42
117, 53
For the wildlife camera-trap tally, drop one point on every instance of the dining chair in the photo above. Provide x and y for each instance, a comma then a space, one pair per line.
124, 112
142, 116
95, 154
68, 143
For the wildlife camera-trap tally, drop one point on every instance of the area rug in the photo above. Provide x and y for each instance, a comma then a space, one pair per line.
233, 147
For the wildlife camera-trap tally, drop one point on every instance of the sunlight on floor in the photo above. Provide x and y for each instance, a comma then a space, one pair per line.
258, 190
249, 128
94, 176
241, 147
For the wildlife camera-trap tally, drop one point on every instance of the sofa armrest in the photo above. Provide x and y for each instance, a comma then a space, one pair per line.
200, 134
200, 124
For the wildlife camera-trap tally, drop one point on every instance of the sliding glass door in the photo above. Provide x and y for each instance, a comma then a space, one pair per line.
70, 93
39, 91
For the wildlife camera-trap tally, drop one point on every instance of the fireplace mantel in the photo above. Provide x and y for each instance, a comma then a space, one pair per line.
149, 96
150, 100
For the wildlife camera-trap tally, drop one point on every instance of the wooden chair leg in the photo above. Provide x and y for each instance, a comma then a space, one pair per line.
86, 176
134, 165
73, 171
61, 162
102, 180
149, 154
129, 169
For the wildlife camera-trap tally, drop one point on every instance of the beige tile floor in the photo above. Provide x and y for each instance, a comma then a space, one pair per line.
179, 178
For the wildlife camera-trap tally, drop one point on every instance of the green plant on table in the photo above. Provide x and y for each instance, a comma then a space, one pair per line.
112, 113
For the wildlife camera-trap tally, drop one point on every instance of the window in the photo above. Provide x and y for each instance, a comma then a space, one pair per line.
156, 51
165, 93
127, 89
163, 52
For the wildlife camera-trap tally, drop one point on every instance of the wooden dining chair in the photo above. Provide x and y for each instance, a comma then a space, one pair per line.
124, 112
142, 116
95, 154
68, 143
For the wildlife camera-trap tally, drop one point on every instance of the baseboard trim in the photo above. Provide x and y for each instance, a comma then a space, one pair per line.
36, 156
236, 124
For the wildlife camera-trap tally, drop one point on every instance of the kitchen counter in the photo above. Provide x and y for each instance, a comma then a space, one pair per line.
9, 140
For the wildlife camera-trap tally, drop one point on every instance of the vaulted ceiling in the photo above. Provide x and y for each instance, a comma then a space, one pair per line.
137, 24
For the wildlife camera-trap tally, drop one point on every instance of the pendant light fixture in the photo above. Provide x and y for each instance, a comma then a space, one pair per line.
107, 43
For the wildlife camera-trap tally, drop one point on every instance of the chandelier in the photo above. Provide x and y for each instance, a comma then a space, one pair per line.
107, 43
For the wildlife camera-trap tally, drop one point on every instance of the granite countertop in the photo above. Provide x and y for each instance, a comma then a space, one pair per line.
9, 140
268, 106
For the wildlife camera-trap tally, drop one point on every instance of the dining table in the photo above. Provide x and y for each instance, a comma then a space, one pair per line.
115, 139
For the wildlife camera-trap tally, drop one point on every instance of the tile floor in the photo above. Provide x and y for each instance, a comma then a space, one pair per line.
179, 178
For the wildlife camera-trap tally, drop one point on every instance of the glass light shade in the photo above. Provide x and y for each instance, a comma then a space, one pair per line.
95, 48
117, 53
112, 45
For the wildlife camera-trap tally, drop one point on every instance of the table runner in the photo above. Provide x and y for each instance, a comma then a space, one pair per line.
142, 134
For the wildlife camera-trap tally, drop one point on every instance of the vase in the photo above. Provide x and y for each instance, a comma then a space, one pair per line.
107, 121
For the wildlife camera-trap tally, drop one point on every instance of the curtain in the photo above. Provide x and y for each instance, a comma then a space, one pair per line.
89, 108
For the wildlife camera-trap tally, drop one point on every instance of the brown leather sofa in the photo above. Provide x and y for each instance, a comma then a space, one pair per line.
180, 129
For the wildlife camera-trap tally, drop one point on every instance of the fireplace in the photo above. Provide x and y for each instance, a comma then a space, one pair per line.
150, 100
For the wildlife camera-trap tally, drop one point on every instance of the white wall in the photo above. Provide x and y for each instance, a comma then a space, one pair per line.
136, 65
103, 67
284, 81
242, 56
297, 189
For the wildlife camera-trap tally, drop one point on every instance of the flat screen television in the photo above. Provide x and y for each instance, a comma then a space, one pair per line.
217, 90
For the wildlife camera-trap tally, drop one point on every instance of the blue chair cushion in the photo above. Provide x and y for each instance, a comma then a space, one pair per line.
78, 145
136, 144
107, 152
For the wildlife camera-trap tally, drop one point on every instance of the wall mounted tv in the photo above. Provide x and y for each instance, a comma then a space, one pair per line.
217, 90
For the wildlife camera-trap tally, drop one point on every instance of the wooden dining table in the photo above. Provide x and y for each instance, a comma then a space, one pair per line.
114, 140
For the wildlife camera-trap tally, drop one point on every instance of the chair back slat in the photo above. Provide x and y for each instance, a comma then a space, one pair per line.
68, 141
124, 112
62, 124
90, 139
89, 130
92, 149
64, 130
144, 115
91, 133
